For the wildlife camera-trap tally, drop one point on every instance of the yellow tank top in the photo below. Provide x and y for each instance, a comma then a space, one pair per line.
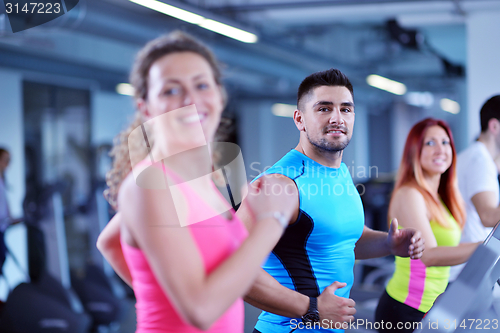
416, 285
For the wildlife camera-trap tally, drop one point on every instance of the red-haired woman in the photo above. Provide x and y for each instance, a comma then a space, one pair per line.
426, 198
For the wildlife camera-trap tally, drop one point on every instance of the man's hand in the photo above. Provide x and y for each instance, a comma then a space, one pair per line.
405, 242
333, 308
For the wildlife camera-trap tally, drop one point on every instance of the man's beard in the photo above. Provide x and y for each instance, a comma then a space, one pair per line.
327, 146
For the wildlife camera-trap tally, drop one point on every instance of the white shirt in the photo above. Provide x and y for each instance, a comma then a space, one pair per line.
476, 173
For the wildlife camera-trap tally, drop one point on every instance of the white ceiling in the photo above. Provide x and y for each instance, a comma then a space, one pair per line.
298, 37
350, 33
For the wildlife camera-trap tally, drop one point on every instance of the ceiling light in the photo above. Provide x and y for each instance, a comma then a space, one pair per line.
229, 31
209, 24
386, 84
420, 99
125, 89
450, 106
283, 110
166, 9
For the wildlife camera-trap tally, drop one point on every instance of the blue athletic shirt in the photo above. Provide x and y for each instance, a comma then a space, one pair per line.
318, 248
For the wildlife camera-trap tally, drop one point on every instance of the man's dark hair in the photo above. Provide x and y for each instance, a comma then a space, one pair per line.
490, 109
330, 77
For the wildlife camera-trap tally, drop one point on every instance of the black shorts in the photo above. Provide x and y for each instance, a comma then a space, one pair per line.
397, 314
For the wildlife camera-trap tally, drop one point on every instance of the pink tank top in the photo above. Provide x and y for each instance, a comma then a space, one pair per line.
217, 238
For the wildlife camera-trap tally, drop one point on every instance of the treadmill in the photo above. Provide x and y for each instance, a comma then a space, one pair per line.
468, 305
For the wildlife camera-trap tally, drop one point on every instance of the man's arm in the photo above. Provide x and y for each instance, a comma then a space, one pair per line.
268, 294
372, 244
487, 208
402, 243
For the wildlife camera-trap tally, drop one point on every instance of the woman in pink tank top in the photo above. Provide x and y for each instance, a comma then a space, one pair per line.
186, 255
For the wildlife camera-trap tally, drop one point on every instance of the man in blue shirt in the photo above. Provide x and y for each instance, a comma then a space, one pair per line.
306, 280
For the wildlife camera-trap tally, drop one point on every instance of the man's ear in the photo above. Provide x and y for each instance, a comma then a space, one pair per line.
494, 125
142, 106
299, 120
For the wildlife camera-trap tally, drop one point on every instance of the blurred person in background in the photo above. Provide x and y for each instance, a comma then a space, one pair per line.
4, 207
5, 219
478, 178
425, 197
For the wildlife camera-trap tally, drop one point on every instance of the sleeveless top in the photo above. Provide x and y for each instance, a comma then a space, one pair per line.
318, 248
216, 238
416, 285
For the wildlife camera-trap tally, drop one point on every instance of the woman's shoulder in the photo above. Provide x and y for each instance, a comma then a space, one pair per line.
128, 190
408, 200
150, 196
139, 190
409, 194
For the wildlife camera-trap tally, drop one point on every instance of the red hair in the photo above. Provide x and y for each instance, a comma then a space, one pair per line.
410, 173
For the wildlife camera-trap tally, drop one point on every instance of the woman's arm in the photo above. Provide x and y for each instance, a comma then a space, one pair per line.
450, 255
108, 243
200, 298
409, 207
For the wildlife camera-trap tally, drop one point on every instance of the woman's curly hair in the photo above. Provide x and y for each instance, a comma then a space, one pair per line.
174, 42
